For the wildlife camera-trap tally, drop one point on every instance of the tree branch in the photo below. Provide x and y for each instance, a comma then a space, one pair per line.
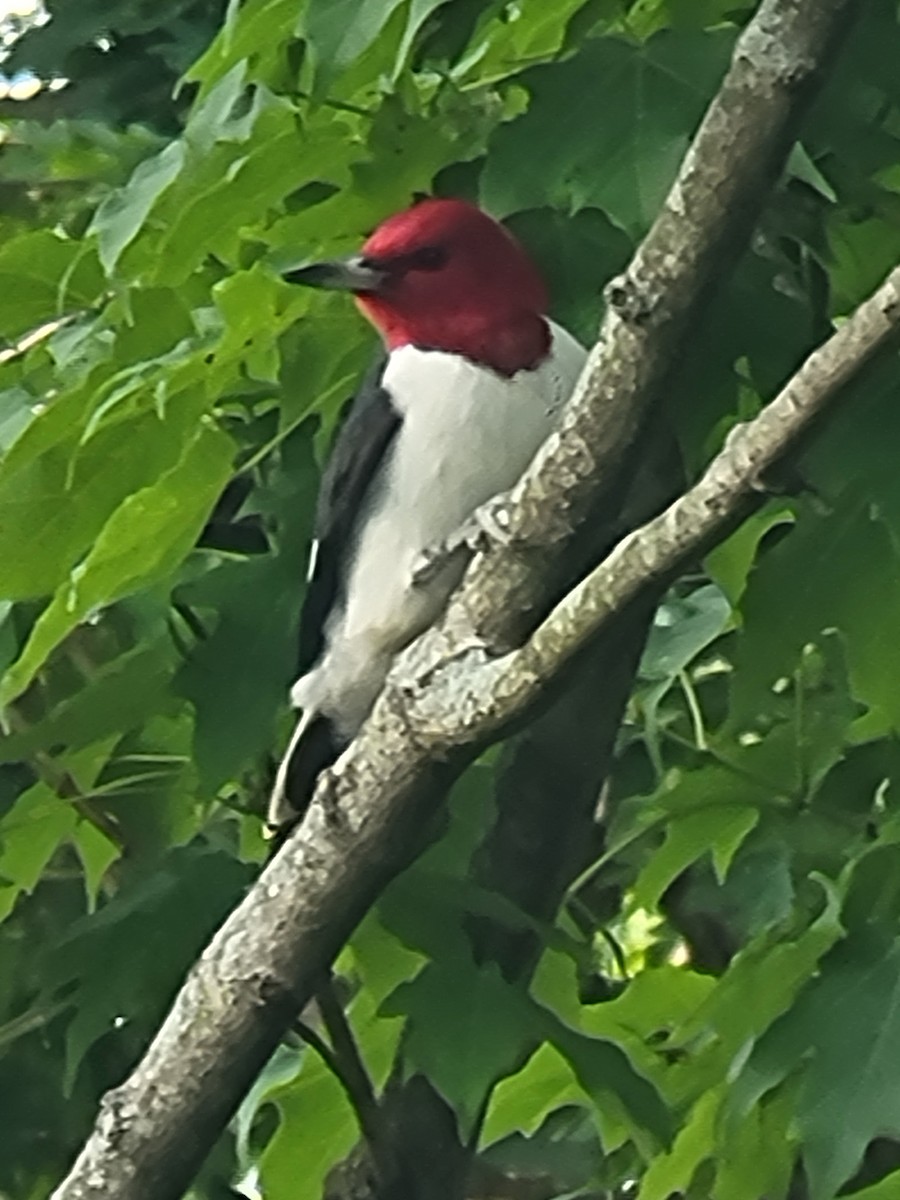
347, 1061
35, 336
732, 486
448, 696
351, 1076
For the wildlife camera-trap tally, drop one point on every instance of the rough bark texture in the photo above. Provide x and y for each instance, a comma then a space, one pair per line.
449, 695
733, 484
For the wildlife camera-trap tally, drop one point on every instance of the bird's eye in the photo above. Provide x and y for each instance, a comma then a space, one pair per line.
429, 258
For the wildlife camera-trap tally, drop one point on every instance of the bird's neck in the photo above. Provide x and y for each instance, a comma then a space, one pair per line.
505, 343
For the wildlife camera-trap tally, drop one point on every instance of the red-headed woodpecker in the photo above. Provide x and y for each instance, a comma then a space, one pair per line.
472, 381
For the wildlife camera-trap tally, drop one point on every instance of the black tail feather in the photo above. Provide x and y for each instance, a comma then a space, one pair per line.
316, 748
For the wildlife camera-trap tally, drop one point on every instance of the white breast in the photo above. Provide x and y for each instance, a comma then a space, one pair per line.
467, 434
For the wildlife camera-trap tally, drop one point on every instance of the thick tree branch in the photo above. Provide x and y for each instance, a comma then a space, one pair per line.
733, 484
448, 696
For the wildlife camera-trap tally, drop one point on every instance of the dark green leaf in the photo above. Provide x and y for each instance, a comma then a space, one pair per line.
468, 1027
845, 1031
646, 101
144, 540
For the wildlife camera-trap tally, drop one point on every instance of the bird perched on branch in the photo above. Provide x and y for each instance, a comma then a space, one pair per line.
472, 380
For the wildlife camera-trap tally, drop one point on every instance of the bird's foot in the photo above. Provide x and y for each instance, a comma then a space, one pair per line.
434, 559
489, 525
494, 523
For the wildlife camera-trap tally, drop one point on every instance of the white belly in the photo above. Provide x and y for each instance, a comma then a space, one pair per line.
467, 434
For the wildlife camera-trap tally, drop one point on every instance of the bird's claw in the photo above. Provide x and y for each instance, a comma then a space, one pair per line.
489, 524
434, 559
494, 524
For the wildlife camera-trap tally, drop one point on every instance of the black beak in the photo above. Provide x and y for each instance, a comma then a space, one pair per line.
339, 274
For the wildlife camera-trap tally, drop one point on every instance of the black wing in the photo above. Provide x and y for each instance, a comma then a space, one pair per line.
359, 448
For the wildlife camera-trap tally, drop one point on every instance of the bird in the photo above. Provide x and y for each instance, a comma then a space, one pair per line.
469, 383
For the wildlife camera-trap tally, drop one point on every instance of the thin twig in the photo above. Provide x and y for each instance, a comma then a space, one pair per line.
348, 1062
35, 336
27, 1022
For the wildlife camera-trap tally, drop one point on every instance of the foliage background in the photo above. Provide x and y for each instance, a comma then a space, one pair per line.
715, 1013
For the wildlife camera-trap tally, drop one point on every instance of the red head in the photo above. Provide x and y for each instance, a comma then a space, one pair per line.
446, 276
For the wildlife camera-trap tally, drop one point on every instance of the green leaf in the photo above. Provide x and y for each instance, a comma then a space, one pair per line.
39, 822
122, 214
340, 31
213, 117
759, 1156
730, 562
282, 1068
254, 165
647, 16
845, 1032
249, 303
157, 925
607, 1045
717, 827
672, 1172
317, 1116
617, 1089
801, 166
29, 836
381, 960
885, 1189
57, 479
43, 274
119, 696
763, 980
467, 1027
416, 138
16, 412
863, 250
419, 12
574, 253
318, 1126
251, 37
682, 627
873, 889
646, 101
821, 578
502, 41
97, 854
144, 539
237, 678
656, 1001
322, 359
521, 1102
